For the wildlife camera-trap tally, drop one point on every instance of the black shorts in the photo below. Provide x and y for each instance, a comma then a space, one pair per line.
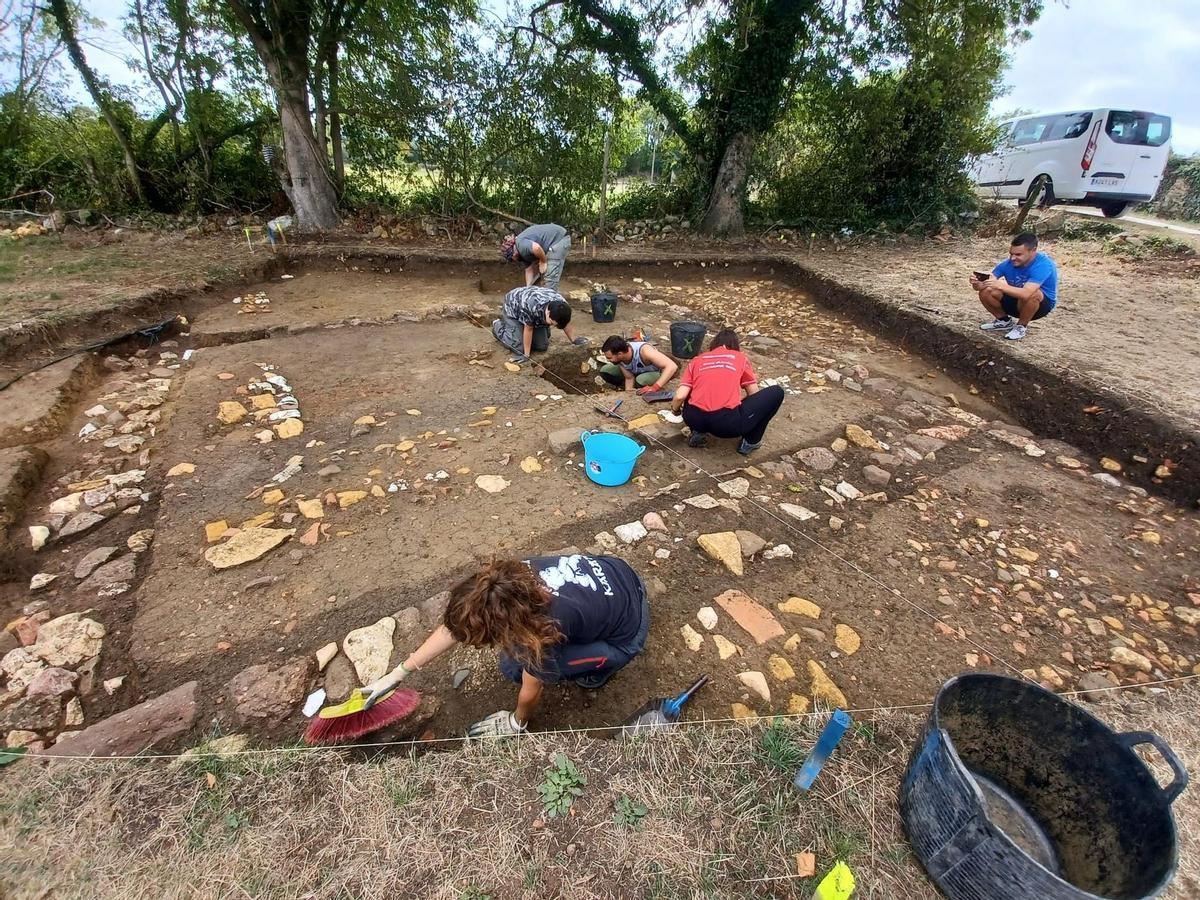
1010, 307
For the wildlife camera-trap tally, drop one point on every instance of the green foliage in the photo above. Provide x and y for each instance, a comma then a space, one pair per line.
780, 747
628, 814
879, 132
1150, 246
1081, 229
648, 201
563, 784
1179, 196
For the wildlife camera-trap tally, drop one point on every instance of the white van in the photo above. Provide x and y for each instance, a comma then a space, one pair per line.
1108, 158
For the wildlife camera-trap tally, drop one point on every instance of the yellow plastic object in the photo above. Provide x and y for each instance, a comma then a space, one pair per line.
837, 885
352, 704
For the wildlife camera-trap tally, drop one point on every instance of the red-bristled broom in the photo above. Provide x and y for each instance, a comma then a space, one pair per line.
349, 721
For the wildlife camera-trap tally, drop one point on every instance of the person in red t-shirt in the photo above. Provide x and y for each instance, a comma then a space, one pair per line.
710, 396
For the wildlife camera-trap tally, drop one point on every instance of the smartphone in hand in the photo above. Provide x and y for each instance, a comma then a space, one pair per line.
982, 276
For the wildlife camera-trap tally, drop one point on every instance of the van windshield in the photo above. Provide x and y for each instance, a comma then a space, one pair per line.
1140, 128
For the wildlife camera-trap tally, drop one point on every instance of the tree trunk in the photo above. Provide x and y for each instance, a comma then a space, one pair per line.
335, 125
312, 192
725, 216
63, 18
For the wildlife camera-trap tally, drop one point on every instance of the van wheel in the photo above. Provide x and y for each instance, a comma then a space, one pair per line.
1113, 208
1043, 189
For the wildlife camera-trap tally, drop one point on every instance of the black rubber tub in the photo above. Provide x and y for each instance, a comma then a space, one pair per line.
1016, 793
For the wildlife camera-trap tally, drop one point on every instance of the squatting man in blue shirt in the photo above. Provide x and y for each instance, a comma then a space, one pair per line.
1022, 288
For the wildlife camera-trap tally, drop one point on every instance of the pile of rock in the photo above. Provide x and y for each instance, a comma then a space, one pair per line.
273, 403
48, 665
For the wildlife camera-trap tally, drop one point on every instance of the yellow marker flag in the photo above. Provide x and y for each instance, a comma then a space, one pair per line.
837, 885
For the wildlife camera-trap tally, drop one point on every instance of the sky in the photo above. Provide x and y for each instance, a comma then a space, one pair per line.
1113, 53
1083, 54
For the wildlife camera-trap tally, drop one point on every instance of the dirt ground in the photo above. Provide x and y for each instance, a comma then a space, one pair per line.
942, 538
1126, 324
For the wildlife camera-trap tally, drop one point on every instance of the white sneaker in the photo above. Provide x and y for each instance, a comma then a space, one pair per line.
998, 324
1017, 332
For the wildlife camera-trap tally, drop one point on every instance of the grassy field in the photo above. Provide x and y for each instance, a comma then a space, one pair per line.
703, 812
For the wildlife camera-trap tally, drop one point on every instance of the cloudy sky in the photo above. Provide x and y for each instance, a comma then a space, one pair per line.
1083, 53
1096, 53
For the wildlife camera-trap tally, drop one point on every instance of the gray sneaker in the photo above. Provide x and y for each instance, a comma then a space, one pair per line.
1018, 332
998, 324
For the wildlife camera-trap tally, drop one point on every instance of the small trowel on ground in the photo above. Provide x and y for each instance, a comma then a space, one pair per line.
609, 413
660, 713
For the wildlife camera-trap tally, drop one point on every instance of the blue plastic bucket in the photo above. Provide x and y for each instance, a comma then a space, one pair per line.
609, 458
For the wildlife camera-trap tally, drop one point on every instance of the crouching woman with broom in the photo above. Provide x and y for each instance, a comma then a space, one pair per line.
553, 618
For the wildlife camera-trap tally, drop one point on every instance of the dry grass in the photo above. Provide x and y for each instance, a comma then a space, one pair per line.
723, 819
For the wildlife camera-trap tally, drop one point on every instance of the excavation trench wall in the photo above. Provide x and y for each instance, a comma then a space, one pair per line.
1049, 401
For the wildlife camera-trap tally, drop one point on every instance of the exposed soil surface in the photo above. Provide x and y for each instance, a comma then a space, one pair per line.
978, 546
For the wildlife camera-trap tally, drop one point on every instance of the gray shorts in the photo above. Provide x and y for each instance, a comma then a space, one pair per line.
556, 258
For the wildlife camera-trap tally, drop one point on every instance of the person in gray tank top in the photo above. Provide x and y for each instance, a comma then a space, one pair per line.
542, 250
636, 363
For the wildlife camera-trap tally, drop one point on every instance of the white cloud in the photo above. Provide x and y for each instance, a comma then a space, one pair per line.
1101, 53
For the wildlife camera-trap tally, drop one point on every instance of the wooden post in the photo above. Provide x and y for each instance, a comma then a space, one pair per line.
604, 186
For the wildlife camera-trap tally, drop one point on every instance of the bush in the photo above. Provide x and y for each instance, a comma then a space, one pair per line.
650, 201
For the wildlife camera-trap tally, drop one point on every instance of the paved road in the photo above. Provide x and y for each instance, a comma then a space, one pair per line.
1137, 220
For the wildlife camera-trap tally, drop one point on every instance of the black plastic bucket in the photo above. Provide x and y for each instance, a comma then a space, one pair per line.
687, 339
541, 339
1014, 792
604, 306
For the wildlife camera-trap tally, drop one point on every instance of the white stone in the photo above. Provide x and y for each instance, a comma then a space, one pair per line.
370, 649
797, 512
707, 617
64, 506
68, 640
756, 682
40, 580
631, 532
779, 551
38, 535
702, 501
847, 490
20, 666
735, 487
493, 484
662, 553
606, 541
692, 638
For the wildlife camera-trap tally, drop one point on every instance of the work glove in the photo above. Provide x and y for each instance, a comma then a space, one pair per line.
381, 686
581, 341
648, 389
498, 724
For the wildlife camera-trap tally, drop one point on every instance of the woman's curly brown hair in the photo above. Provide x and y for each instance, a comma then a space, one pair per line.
503, 605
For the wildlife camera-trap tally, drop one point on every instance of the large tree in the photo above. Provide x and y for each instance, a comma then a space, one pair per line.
740, 69
282, 34
64, 15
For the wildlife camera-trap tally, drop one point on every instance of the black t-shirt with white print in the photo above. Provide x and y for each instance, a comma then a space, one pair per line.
594, 598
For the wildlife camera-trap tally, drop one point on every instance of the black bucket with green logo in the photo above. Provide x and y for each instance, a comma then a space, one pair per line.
687, 339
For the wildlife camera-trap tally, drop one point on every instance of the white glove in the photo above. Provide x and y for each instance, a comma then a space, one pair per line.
498, 724
381, 686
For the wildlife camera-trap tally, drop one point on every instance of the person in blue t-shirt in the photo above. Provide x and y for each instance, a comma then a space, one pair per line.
554, 618
1022, 288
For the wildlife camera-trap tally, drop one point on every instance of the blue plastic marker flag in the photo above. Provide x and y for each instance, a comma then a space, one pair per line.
830, 736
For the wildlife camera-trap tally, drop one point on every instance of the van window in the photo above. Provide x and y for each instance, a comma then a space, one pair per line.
1069, 126
1140, 128
1030, 131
